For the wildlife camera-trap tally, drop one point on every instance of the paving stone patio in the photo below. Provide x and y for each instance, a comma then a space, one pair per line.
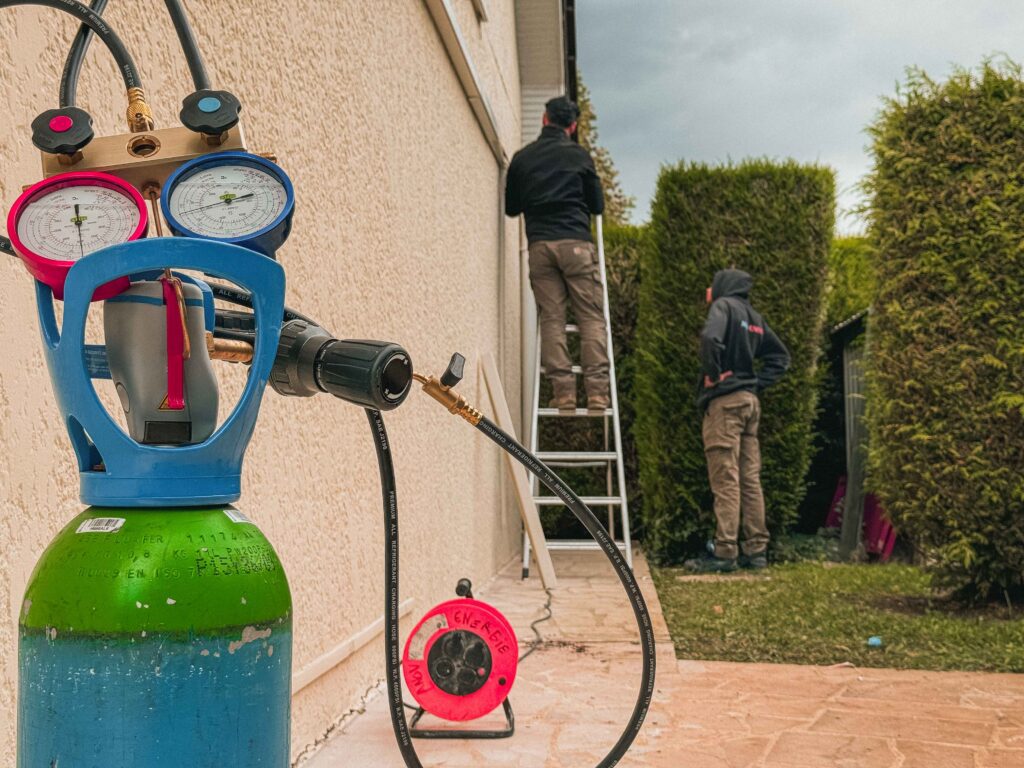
573, 694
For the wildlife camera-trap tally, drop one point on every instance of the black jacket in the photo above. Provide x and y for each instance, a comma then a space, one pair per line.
734, 336
553, 182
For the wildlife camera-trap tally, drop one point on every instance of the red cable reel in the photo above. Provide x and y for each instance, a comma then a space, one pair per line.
460, 662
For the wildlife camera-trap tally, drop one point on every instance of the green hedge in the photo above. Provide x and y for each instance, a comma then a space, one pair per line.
851, 284
946, 397
774, 220
623, 246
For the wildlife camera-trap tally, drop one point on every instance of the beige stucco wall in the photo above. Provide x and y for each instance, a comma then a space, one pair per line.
397, 235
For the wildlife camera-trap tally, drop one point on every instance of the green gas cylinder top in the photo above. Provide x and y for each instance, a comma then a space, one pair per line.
116, 571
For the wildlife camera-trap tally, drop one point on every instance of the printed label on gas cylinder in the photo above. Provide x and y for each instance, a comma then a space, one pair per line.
237, 517
419, 642
101, 525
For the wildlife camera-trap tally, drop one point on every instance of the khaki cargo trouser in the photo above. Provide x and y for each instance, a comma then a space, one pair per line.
734, 468
562, 271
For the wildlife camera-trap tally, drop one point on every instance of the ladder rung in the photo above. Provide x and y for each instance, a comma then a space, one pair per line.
577, 464
577, 455
578, 412
576, 369
579, 544
590, 501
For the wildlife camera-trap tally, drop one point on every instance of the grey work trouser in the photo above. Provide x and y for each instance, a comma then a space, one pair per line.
734, 468
562, 271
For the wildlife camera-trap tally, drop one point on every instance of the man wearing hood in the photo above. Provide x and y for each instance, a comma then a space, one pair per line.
734, 338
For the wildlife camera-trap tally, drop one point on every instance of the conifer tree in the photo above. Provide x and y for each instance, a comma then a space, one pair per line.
617, 204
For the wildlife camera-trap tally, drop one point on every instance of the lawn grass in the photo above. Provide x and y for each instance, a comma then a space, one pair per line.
823, 613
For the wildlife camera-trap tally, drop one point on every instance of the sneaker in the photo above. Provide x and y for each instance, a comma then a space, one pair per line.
597, 405
711, 564
755, 562
564, 404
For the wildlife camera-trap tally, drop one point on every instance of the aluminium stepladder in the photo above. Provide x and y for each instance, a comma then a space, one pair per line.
610, 458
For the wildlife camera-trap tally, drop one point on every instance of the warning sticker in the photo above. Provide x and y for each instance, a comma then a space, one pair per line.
237, 517
419, 641
101, 525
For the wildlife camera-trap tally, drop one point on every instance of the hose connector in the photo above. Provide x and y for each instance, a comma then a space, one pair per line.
140, 116
229, 350
442, 390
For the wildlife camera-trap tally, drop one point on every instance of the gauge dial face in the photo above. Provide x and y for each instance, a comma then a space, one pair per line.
69, 221
228, 201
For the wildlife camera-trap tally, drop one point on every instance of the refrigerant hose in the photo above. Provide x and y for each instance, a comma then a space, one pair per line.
76, 56
189, 46
586, 517
95, 22
80, 45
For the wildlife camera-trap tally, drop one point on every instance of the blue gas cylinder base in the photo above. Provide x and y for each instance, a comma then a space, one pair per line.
159, 701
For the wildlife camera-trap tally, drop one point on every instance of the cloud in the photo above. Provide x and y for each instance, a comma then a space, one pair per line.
714, 80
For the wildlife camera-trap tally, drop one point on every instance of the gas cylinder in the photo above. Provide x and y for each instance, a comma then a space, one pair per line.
155, 630
156, 638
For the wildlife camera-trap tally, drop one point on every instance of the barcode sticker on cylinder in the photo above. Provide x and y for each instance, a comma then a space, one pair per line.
237, 517
101, 525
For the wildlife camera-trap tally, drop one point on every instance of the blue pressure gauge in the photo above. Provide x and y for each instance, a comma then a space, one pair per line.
232, 197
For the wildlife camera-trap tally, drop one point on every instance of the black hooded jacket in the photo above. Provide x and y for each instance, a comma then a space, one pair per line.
554, 184
734, 336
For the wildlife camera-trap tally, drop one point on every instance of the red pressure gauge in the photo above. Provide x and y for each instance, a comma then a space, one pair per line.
65, 217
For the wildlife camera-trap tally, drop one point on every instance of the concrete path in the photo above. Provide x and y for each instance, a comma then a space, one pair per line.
572, 696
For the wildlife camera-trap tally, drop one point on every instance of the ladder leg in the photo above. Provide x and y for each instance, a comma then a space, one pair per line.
616, 424
534, 442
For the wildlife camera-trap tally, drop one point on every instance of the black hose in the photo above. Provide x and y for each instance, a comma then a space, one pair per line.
589, 520
76, 56
6, 247
392, 642
244, 299
189, 46
636, 599
95, 22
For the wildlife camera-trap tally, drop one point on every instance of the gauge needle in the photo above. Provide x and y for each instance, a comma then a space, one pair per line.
219, 202
78, 223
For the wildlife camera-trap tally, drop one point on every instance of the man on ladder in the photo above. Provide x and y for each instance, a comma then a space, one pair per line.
553, 183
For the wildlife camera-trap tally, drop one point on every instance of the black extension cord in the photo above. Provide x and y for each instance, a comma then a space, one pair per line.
589, 520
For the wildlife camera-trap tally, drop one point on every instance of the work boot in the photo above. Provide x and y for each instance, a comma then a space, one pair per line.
564, 403
754, 562
711, 564
597, 404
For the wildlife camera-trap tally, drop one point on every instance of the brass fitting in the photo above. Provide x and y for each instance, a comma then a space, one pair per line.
228, 349
449, 398
140, 116
216, 139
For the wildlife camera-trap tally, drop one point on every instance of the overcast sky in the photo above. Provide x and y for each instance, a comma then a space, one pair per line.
714, 80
